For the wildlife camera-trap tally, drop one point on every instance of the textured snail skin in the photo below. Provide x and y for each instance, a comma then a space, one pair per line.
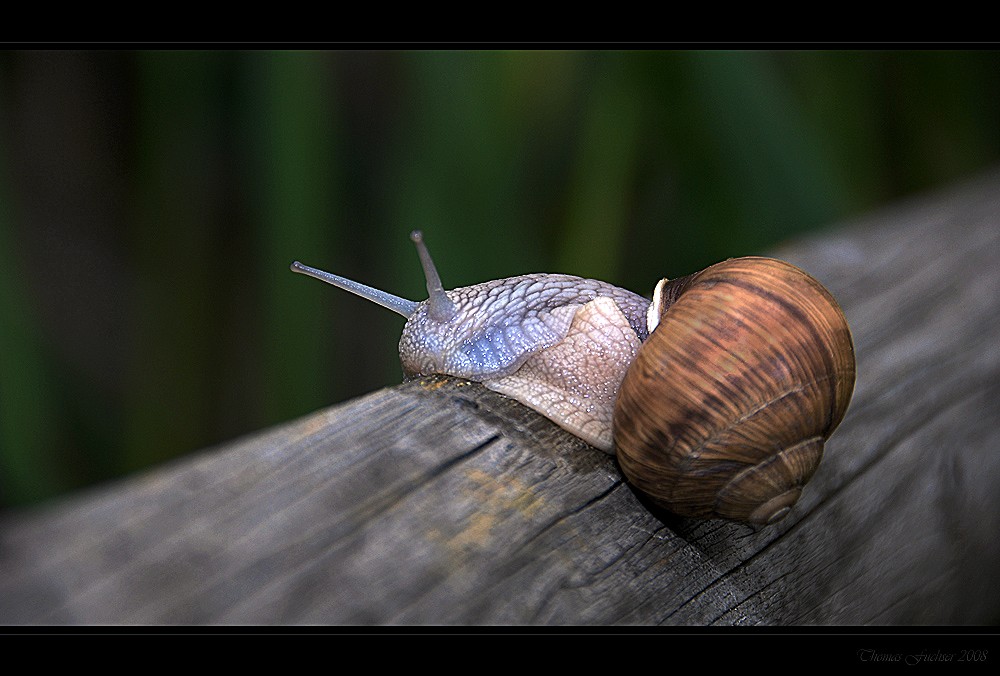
575, 382
500, 324
556, 343
725, 410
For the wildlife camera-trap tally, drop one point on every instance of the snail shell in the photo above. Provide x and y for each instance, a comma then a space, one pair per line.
726, 408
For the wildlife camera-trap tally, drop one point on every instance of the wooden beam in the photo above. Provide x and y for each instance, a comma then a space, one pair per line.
440, 502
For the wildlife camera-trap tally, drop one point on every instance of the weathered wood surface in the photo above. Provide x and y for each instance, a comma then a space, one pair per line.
439, 502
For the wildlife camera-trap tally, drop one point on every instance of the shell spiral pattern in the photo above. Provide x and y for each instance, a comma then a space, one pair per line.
726, 409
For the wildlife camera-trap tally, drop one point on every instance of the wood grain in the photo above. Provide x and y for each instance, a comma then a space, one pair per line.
440, 502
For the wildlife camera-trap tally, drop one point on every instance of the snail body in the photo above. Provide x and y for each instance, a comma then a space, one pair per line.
716, 397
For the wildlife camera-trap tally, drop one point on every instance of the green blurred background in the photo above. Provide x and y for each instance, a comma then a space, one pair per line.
151, 202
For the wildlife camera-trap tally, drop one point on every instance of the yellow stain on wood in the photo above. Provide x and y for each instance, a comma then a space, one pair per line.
502, 497
315, 424
308, 427
498, 502
432, 383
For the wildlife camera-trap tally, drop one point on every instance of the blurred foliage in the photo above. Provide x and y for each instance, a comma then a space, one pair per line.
150, 203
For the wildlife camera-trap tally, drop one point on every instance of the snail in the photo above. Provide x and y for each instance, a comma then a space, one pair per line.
717, 397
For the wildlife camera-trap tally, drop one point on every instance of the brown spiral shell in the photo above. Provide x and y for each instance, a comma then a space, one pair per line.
725, 411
